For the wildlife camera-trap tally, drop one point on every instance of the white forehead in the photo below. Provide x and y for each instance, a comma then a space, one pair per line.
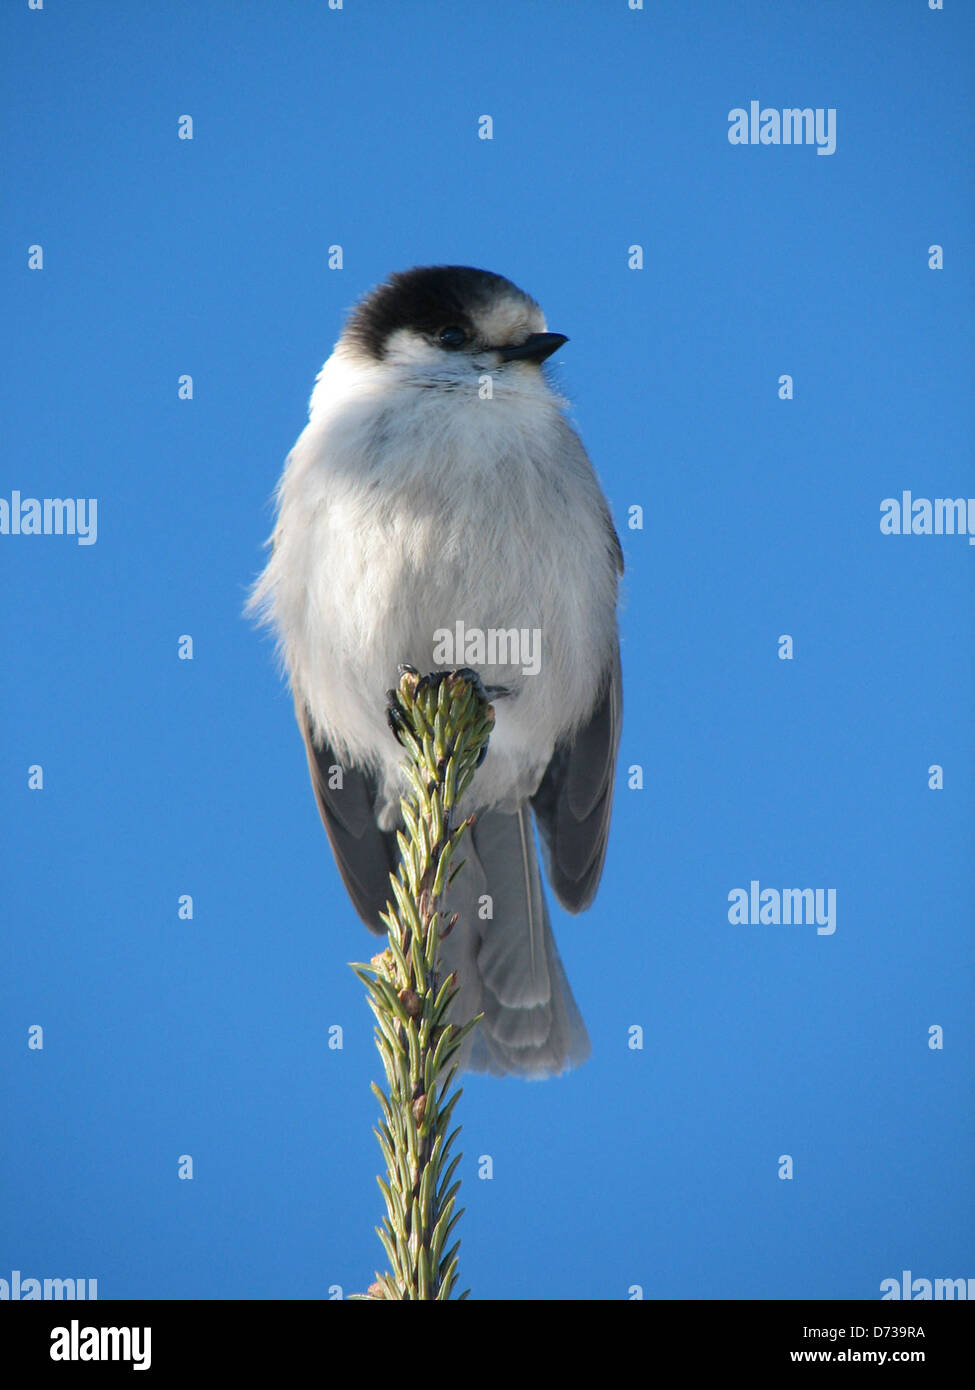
508, 318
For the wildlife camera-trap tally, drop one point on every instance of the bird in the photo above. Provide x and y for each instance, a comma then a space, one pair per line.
437, 495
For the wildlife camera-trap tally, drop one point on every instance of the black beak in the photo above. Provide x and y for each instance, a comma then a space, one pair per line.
534, 349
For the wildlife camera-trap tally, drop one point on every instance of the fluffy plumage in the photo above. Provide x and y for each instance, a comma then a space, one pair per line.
411, 502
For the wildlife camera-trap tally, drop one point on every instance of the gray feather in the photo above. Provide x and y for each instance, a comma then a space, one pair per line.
365, 855
507, 964
574, 800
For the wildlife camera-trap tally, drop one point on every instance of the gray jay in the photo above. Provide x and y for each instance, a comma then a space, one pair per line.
439, 511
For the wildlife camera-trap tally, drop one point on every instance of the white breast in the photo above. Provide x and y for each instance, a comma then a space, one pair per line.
406, 509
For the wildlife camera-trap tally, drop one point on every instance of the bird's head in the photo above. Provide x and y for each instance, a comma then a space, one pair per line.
444, 324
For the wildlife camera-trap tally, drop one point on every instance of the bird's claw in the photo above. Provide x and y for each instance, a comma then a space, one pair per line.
433, 681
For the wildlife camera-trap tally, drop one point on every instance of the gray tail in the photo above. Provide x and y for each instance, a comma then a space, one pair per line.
504, 953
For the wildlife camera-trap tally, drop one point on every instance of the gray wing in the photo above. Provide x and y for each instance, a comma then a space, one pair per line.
365, 855
574, 800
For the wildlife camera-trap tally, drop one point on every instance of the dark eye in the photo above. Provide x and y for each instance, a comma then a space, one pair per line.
452, 337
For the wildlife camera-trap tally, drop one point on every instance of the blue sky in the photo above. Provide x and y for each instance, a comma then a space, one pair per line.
657, 1167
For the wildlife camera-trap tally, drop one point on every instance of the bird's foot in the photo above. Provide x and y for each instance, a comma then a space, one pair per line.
433, 681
